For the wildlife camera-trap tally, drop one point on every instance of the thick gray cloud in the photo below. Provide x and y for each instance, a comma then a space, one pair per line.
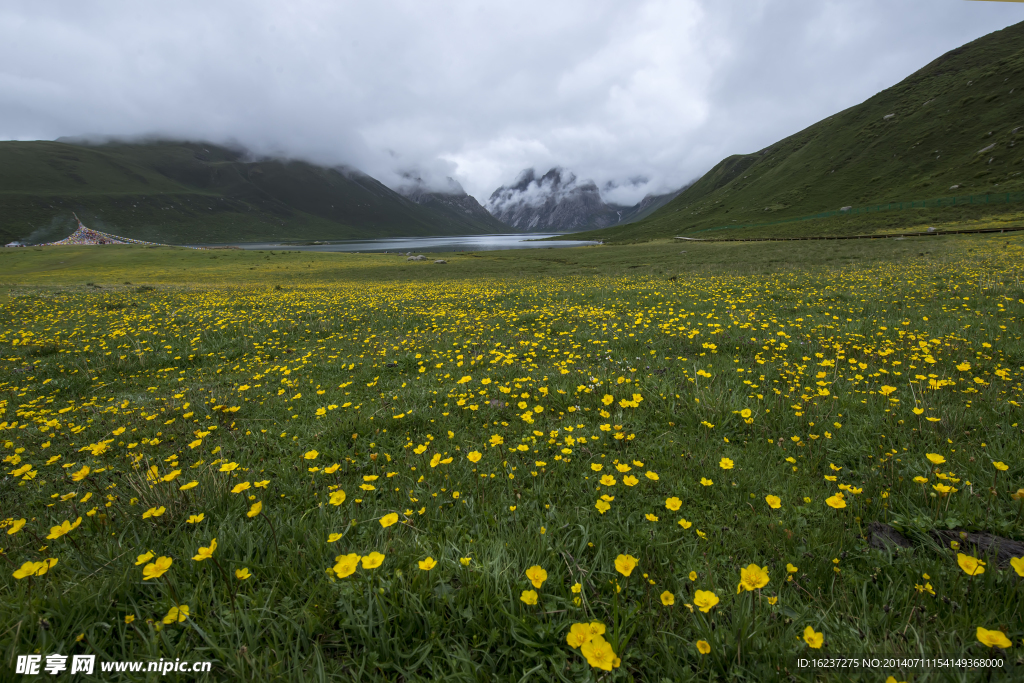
658, 89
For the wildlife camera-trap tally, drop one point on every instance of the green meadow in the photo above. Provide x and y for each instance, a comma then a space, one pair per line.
651, 462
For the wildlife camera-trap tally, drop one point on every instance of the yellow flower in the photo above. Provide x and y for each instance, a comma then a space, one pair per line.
673, 503
529, 597
1018, 565
651, 517
474, 456
774, 502
337, 498
373, 560
256, 508
752, 577
156, 569
607, 480
836, 501
129, 618
496, 440
772, 601
176, 614
242, 574
465, 561
684, 523
1001, 466
66, 527
196, 519
625, 564
705, 600
310, 455
993, 638
15, 527
886, 390
630, 480
602, 506
725, 464
653, 476
244, 486
693, 576
536, 575
745, 413
331, 538
389, 519
668, 599
144, 558
346, 565
428, 564
578, 635
576, 587
792, 569
154, 512
81, 474
972, 566
813, 638
229, 466
34, 568
703, 647
599, 653
706, 482
935, 458
205, 553
190, 485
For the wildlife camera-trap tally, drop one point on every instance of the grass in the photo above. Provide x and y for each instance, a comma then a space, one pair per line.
956, 122
283, 379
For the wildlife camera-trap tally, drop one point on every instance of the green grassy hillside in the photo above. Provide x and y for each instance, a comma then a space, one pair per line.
956, 122
196, 192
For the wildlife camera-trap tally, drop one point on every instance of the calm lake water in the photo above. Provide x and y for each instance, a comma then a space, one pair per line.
423, 245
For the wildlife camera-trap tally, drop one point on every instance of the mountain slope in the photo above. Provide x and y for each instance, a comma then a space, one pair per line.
956, 122
452, 204
182, 192
646, 206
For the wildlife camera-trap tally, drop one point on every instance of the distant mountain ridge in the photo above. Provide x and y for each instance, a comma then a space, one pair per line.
558, 202
196, 192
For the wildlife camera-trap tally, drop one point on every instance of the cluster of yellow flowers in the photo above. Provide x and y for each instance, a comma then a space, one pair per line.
346, 565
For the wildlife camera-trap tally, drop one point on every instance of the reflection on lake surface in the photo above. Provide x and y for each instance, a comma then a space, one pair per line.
420, 245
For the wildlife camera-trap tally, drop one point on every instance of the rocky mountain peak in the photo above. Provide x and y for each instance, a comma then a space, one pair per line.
558, 201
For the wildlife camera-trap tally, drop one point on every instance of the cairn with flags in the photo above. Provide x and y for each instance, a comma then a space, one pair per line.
87, 236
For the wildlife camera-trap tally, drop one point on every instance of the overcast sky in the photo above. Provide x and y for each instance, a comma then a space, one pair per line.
645, 95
